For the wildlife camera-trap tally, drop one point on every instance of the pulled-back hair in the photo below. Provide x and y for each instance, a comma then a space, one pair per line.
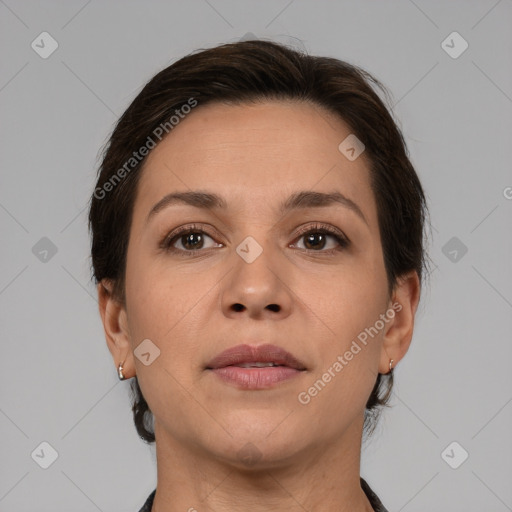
243, 73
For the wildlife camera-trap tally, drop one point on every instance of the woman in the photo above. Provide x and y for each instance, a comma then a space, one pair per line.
258, 248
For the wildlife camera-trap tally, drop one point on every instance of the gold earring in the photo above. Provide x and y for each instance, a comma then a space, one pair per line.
120, 372
390, 364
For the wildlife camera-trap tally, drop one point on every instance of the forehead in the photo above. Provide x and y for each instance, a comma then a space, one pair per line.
257, 152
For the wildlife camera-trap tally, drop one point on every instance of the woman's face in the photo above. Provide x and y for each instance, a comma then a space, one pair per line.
249, 277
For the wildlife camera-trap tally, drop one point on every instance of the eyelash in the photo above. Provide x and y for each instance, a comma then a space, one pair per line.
168, 241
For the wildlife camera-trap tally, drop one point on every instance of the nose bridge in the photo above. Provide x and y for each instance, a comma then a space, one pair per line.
255, 284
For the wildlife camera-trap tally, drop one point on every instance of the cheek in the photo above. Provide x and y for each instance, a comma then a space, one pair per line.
348, 355
346, 312
335, 398
345, 302
158, 296
165, 305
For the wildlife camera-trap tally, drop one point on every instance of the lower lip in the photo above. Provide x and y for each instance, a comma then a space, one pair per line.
255, 378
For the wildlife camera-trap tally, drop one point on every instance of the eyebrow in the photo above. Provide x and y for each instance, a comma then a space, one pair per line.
298, 200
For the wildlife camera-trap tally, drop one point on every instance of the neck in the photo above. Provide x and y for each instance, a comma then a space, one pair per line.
320, 478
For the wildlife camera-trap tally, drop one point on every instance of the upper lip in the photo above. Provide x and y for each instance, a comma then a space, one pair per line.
241, 354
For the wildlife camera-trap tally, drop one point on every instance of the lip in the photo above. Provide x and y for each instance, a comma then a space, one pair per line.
226, 365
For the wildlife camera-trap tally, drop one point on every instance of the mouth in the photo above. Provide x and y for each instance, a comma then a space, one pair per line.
255, 367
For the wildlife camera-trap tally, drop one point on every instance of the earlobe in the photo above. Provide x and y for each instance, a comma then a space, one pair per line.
398, 336
115, 325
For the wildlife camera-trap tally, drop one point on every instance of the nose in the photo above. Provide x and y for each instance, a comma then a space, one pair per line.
257, 287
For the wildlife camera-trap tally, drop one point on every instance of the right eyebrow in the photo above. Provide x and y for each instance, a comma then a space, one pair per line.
198, 199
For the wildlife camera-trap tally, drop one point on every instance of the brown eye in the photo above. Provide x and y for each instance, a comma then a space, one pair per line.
187, 239
317, 238
192, 240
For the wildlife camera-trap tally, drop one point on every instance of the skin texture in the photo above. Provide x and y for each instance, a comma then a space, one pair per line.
255, 156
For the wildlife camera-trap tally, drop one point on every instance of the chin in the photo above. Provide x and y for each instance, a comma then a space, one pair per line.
260, 441
247, 454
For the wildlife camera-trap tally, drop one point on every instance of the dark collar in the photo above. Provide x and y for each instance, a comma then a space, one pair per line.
372, 498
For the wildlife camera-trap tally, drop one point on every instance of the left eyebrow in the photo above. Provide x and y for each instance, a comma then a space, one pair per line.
311, 199
298, 200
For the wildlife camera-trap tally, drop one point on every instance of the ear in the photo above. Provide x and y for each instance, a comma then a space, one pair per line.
398, 335
113, 316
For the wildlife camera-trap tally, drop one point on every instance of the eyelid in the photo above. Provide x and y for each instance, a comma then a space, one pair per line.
182, 230
316, 227
320, 227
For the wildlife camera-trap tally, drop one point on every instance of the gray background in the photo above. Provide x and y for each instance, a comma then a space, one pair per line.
57, 380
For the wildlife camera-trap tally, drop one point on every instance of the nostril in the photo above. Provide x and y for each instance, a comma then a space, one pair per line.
272, 307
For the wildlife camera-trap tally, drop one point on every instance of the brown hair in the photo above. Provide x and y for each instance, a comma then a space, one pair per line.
246, 72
